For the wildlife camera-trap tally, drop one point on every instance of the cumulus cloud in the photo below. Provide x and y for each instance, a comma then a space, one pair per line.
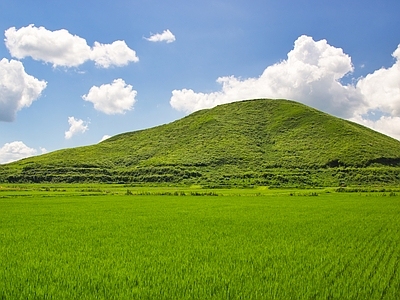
165, 36
387, 125
311, 74
381, 92
115, 98
15, 151
57, 47
76, 126
61, 48
17, 89
381, 89
115, 54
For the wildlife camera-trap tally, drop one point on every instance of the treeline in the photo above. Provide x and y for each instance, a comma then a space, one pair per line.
203, 175
86, 174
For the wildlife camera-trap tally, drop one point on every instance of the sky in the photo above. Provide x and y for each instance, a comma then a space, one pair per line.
73, 73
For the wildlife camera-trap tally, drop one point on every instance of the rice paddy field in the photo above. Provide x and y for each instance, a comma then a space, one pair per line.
115, 242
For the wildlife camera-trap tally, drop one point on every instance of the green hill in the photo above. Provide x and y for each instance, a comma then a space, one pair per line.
271, 142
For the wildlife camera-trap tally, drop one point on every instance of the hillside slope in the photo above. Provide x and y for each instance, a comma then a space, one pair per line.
249, 142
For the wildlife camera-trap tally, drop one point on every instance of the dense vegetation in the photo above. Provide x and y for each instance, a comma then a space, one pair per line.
256, 142
146, 244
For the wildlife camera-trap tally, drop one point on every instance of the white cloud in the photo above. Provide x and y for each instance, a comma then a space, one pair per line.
381, 89
17, 89
76, 126
381, 92
105, 137
115, 54
386, 124
15, 151
57, 47
165, 36
310, 75
115, 98
43, 150
61, 48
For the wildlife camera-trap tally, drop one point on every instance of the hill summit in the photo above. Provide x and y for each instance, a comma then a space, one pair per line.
252, 142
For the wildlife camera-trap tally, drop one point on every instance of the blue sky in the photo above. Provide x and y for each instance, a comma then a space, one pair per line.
74, 72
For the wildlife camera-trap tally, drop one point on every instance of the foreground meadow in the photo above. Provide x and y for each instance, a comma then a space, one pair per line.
79, 242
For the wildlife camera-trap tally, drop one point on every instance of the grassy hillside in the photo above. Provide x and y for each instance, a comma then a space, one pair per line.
250, 142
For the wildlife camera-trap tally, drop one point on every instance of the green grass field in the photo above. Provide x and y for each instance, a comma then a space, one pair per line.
114, 242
